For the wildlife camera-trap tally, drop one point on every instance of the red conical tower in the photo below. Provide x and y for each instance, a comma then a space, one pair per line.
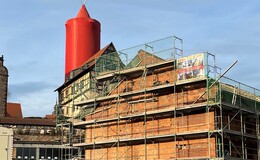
82, 40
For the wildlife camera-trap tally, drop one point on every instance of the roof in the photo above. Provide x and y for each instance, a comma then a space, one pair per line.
14, 110
143, 57
88, 64
27, 121
50, 116
83, 13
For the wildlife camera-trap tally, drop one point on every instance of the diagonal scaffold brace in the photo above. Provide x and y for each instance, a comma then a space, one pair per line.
215, 81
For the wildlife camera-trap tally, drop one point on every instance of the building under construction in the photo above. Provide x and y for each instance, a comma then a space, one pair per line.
152, 102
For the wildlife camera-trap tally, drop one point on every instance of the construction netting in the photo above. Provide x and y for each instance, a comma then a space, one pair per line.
145, 54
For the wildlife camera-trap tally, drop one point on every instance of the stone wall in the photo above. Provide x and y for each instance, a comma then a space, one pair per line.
3, 87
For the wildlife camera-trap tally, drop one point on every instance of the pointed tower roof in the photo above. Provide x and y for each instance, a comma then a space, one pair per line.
83, 13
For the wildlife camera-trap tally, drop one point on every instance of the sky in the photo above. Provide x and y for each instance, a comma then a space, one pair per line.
32, 38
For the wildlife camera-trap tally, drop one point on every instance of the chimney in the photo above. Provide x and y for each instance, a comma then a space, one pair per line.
82, 40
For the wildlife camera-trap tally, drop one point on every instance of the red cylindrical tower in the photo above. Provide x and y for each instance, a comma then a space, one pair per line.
82, 40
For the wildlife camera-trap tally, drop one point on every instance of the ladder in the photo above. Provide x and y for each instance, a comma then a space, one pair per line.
234, 98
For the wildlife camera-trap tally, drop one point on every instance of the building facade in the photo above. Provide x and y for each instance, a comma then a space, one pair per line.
151, 102
152, 106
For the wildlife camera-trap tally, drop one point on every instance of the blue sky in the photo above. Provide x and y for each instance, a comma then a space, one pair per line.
32, 38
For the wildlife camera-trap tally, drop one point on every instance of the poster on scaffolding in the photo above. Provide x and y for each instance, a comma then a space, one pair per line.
191, 67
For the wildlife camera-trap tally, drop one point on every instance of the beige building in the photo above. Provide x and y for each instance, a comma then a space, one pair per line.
6, 143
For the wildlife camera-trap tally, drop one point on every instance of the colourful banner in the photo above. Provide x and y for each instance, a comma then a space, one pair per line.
191, 67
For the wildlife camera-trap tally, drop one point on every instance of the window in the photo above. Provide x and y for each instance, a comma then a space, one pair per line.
62, 95
49, 153
43, 153
56, 153
81, 84
19, 153
32, 154
72, 89
25, 153
66, 93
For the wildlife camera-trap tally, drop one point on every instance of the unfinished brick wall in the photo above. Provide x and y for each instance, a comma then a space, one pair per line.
147, 58
154, 125
156, 151
153, 78
137, 104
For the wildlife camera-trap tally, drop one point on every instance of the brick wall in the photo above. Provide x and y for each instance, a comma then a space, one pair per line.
136, 128
156, 101
160, 124
156, 151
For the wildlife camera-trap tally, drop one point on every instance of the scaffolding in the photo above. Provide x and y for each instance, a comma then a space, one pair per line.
141, 107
